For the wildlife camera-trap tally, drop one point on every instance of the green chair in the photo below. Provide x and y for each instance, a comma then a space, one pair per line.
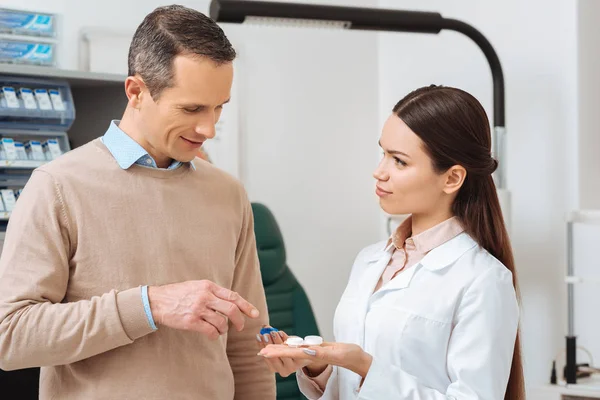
289, 308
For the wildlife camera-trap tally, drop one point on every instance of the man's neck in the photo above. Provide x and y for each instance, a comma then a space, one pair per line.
131, 129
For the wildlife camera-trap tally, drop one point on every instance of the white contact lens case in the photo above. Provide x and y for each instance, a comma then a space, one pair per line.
295, 341
313, 340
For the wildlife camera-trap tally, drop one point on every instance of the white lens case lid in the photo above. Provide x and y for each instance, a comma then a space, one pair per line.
294, 341
313, 340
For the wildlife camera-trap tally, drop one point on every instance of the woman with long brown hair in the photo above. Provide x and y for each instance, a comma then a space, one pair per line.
432, 313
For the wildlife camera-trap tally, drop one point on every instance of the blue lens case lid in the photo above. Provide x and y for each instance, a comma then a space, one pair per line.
264, 331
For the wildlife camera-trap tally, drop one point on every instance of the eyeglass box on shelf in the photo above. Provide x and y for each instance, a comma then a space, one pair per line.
35, 104
21, 51
27, 23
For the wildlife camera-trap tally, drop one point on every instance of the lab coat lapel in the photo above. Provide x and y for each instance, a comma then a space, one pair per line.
368, 281
402, 280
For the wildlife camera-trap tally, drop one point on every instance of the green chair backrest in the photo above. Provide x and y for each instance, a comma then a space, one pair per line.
289, 307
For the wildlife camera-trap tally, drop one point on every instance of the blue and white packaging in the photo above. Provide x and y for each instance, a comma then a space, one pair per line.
56, 99
51, 149
8, 149
10, 97
34, 151
26, 52
8, 196
20, 149
21, 22
26, 95
43, 100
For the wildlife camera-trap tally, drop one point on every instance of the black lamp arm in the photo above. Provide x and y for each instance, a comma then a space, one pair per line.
375, 19
371, 19
493, 60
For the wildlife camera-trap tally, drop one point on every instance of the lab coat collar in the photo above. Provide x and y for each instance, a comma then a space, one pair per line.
377, 264
446, 254
436, 259
379, 250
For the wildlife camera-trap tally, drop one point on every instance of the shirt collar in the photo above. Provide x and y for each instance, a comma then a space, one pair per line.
438, 258
125, 150
427, 240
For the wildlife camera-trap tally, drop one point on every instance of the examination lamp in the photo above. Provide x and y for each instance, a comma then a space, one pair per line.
374, 19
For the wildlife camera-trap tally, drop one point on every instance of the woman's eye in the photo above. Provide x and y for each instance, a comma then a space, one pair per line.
399, 161
191, 110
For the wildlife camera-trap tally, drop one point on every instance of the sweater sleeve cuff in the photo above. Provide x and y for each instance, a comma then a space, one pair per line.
132, 314
313, 387
147, 309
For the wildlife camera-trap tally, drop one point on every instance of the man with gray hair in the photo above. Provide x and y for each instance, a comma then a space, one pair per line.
129, 269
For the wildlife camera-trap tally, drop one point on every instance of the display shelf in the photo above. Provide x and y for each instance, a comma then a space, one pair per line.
586, 388
75, 78
21, 164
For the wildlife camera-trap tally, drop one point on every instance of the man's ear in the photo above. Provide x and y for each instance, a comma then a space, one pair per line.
135, 89
455, 177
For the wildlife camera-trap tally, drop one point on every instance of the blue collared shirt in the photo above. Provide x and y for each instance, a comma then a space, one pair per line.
127, 152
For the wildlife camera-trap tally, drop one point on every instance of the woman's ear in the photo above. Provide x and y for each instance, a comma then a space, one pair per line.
455, 177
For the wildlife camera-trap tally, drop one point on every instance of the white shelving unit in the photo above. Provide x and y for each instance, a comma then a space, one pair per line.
98, 99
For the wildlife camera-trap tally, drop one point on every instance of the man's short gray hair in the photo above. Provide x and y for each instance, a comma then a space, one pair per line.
170, 31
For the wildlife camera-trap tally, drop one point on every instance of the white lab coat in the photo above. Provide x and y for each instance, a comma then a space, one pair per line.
442, 329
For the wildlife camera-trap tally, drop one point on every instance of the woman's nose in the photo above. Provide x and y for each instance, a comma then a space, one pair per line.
380, 173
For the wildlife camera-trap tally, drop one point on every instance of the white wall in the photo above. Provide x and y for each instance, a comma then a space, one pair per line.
588, 31
309, 118
536, 43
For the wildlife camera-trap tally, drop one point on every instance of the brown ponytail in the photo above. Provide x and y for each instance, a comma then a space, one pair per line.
479, 211
455, 130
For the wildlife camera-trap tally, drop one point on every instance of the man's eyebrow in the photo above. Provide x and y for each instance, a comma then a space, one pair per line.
200, 106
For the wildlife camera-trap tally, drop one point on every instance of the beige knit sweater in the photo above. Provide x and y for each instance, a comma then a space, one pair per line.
84, 236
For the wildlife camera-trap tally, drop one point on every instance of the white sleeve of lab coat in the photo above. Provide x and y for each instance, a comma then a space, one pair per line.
480, 349
309, 388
